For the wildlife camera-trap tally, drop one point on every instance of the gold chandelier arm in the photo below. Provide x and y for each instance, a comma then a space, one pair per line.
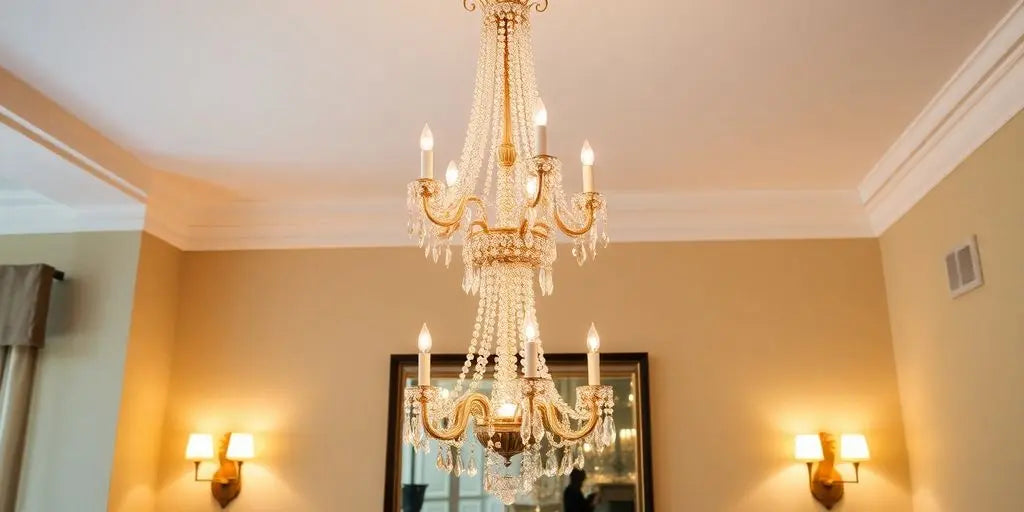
540, 190
589, 208
460, 210
552, 420
475, 404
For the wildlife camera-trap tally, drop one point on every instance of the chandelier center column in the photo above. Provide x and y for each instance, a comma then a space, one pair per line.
507, 150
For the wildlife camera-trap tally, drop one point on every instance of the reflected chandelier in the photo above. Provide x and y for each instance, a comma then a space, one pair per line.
508, 226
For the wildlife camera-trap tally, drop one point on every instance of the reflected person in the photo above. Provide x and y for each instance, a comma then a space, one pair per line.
573, 499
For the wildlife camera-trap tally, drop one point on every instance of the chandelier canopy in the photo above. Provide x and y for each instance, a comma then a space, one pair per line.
505, 198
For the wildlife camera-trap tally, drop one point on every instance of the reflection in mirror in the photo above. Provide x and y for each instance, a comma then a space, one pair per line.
617, 478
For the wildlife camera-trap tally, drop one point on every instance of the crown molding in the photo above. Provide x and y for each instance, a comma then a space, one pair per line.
41, 120
983, 95
633, 217
57, 218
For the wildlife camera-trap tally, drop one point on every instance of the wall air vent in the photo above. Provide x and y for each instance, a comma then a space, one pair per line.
963, 268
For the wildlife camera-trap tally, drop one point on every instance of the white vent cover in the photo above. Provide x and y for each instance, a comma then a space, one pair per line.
963, 268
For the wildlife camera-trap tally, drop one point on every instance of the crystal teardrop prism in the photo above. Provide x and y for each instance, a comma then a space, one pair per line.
552, 466
458, 464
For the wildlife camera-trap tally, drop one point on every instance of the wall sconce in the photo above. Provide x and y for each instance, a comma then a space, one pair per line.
235, 448
826, 482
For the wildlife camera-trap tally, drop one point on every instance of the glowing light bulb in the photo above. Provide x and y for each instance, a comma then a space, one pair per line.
587, 154
530, 329
424, 343
593, 340
531, 188
540, 116
452, 174
426, 139
506, 410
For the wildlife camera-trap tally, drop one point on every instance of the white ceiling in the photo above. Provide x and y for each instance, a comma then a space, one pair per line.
314, 99
247, 124
40, 192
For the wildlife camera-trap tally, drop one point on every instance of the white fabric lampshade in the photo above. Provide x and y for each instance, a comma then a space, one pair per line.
240, 447
854, 448
200, 447
808, 448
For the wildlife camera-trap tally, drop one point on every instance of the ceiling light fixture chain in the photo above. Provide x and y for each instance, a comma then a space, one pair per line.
507, 206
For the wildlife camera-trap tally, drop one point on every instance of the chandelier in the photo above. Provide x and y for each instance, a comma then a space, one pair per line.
505, 201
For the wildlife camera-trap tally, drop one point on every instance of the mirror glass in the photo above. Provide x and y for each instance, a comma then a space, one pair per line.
615, 477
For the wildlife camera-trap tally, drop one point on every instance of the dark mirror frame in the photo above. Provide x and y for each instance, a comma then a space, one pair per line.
392, 478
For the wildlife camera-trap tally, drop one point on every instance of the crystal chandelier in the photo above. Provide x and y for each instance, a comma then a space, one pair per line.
508, 226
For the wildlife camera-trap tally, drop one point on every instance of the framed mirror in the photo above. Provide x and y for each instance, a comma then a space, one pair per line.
618, 478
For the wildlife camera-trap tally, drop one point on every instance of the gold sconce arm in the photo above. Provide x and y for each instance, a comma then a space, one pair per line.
856, 475
590, 206
475, 404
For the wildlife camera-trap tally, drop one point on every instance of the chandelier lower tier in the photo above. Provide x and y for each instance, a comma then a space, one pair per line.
507, 210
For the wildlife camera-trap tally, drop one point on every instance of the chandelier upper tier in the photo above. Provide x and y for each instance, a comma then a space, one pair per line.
505, 198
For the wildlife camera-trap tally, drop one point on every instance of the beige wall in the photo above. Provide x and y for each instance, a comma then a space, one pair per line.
961, 361
78, 382
750, 343
146, 376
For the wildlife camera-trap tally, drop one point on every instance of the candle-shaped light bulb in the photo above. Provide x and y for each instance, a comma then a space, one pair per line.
540, 122
540, 116
530, 329
426, 153
424, 342
531, 188
593, 339
426, 139
531, 347
587, 154
452, 174
587, 157
593, 357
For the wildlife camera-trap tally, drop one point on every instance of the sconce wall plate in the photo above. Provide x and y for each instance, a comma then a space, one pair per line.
826, 483
227, 481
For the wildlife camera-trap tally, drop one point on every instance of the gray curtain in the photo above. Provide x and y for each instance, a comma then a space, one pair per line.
24, 305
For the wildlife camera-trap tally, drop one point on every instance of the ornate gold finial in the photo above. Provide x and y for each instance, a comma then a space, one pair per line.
540, 5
